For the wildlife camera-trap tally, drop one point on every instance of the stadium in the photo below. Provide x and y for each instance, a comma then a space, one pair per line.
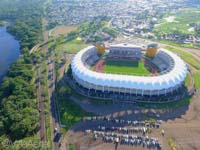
127, 71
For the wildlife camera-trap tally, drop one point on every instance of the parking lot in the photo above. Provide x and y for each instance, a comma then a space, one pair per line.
182, 124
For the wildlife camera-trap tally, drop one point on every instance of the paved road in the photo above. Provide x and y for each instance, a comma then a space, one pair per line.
41, 107
36, 47
54, 123
53, 107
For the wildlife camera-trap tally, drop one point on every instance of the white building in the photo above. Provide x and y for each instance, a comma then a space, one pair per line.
165, 83
125, 50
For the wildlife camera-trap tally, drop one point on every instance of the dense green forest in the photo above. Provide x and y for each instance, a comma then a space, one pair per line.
19, 117
25, 18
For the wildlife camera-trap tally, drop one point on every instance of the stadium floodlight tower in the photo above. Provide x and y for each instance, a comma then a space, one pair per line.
152, 50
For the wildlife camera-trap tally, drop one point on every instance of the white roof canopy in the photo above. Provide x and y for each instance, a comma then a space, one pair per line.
175, 77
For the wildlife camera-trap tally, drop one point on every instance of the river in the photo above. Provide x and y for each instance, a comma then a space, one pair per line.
9, 51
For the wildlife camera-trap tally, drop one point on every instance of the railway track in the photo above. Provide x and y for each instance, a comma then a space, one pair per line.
41, 108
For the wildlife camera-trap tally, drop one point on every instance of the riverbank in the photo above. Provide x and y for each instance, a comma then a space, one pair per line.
18, 98
9, 50
2, 23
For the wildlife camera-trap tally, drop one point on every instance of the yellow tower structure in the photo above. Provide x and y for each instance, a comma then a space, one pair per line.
101, 49
152, 50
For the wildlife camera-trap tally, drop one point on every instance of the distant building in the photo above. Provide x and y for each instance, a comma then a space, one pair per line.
125, 50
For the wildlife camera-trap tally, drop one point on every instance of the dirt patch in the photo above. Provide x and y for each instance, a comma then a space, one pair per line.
63, 30
99, 66
66, 61
154, 69
81, 140
181, 124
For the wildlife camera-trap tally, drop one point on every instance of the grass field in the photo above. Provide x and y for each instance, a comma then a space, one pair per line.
126, 67
194, 46
187, 81
185, 101
196, 76
69, 112
72, 147
71, 47
190, 59
179, 23
187, 57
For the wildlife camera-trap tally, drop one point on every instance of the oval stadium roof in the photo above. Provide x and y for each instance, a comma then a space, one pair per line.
175, 77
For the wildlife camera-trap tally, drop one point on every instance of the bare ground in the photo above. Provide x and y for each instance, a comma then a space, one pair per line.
63, 30
182, 124
99, 66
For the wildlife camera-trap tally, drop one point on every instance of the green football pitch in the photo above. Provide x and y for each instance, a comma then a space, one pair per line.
126, 67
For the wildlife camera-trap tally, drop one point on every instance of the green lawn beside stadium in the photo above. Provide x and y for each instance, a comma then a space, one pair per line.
126, 67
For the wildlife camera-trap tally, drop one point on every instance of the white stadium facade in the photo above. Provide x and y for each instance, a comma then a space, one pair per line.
173, 71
